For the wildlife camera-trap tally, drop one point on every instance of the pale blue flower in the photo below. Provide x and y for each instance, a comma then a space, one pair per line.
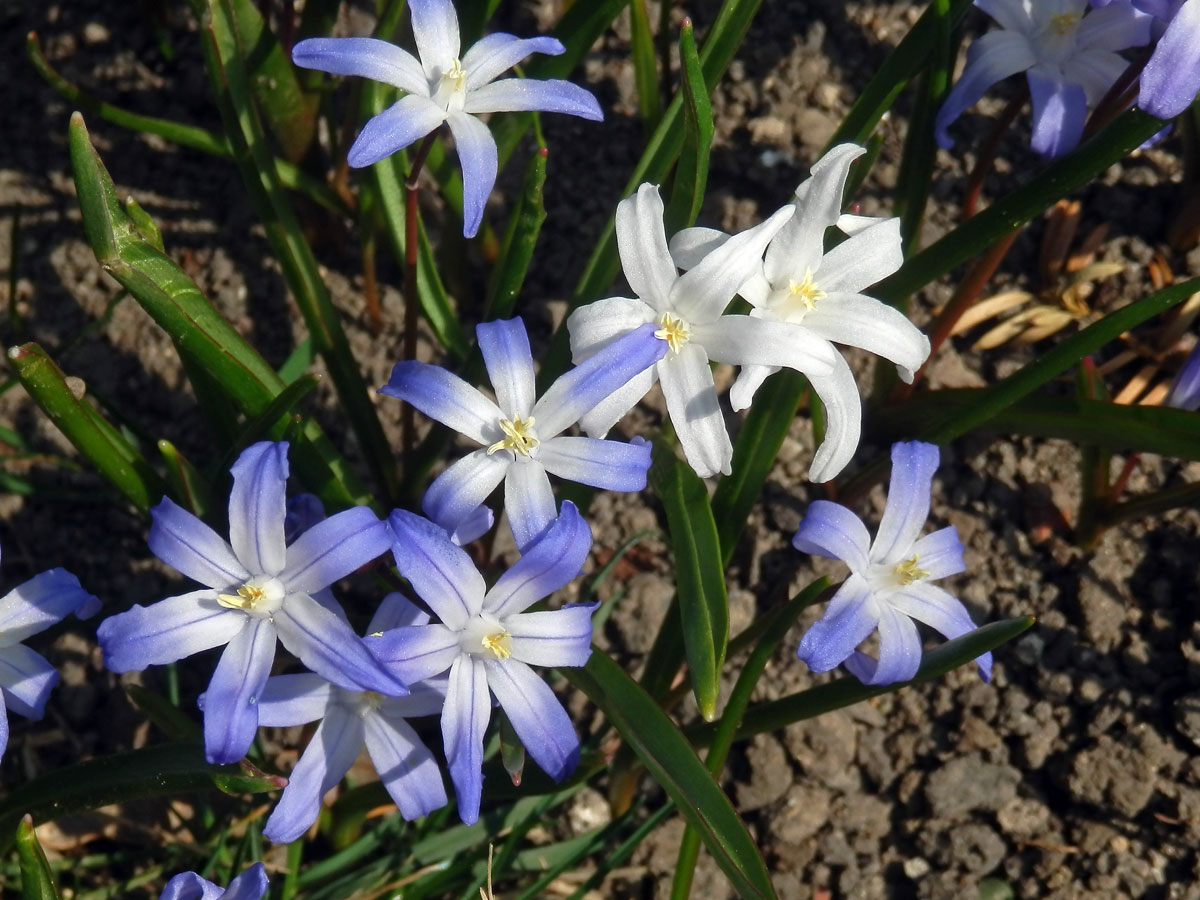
1069, 57
350, 720
521, 435
26, 679
1171, 79
444, 86
250, 885
487, 642
258, 589
890, 578
1185, 389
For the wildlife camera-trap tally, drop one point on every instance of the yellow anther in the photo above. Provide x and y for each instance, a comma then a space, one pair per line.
517, 437
456, 75
908, 572
245, 598
368, 702
673, 331
806, 291
498, 644
1062, 23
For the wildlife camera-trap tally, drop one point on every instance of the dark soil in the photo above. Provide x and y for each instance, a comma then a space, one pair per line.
1073, 774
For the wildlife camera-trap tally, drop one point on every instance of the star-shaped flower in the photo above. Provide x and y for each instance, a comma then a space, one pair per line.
488, 642
26, 679
890, 577
250, 885
1069, 56
444, 86
819, 295
257, 589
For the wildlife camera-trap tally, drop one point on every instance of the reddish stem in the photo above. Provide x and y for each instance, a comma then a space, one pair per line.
987, 153
411, 186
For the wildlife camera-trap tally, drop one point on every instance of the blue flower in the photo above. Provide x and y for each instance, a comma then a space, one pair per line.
250, 885
1068, 55
350, 719
257, 589
1169, 83
26, 679
444, 87
889, 583
488, 642
522, 439
1185, 389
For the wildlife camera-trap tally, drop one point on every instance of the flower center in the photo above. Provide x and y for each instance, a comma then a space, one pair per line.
673, 331
451, 88
368, 702
907, 572
261, 595
1064, 23
806, 291
498, 643
518, 437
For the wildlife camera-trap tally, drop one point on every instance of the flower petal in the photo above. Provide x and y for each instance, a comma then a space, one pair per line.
849, 619
940, 554
528, 501
642, 244
231, 701
689, 246
1059, 111
554, 637
550, 562
397, 611
899, 651
334, 548
190, 886
578, 391
325, 761
1169, 83
691, 395
536, 715
415, 652
441, 573
26, 680
525, 94
860, 321
3, 726
942, 611
189, 546
426, 699
250, 885
464, 720
1112, 28
594, 326
167, 631
409, 118
843, 421
701, 294
405, 766
498, 52
509, 363
478, 157
612, 408
1011, 14
861, 260
289, 700
258, 506
457, 493
609, 465
991, 58
435, 27
41, 601
830, 530
749, 380
477, 523
368, 57
797, 248
303, 512
1185, 389
913, 465
445, 398
1096, 71
329, 647
742, 340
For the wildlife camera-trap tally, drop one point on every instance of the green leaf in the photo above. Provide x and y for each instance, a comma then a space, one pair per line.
512, 751
225, 49
204, 340
37, 881
645, 66
524, 226
145, 225
187, 484
691, 173
699, 575
170, 719
260, 427
92, 435
133, 775
671, 761
847, 690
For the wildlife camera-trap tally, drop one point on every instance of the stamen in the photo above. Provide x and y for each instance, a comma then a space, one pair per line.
1062, 23
517, 437
908, 572
245, 598
673, 331
806, 291
498, 644
456, 75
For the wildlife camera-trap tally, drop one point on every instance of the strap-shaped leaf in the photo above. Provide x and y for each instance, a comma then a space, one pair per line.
91, 434
699, 574
673, 763
187, 482
37, 881
645, 65
691, 173
516, 251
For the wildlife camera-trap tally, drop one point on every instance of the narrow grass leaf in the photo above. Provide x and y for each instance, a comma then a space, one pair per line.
691, 172
645, 65
37, 880
187, 482
516, 251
